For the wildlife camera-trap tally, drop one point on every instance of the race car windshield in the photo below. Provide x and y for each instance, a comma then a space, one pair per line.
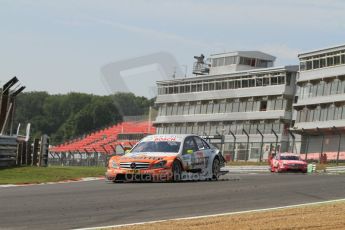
154, 146
293, 158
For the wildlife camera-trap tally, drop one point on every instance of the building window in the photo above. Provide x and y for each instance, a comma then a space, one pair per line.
274, 80
323, 116
310, 114
317, 113
327, 88
218, 85
330, 61
203, 108
210, 107
231, 84
266, 81
337, 113
336, 60
334, 86
180, 109
251, 82
197, 108
191, 109
278, 104
187, 88
288, 78
169, 110
331, 110
320, 88
245, 83
222, 107
186, 109
163, 110
309, 65
229, 107
216, 107
313, 90
302, 66
343, 59
316, 64
249, 107
224, 85
174, 109
189, 128
281, 80
242, 107
235, 106
322, 62
259, 82
263, 106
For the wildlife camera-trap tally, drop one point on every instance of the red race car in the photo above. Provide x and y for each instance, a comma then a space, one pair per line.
284, 162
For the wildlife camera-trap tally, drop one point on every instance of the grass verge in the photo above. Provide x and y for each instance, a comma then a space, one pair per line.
23, 175
325, 216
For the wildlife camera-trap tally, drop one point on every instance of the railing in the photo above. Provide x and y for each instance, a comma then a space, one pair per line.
8, 151
200, 68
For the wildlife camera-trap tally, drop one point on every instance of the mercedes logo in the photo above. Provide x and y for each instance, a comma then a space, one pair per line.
133, 165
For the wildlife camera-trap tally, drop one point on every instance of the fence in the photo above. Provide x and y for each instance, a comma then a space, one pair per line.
78, 159
8, 151
15, 151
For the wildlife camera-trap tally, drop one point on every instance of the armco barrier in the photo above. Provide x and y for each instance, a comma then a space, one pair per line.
246, 169
8, 151
335, 169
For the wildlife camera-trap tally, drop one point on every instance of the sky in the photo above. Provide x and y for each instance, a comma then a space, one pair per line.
61, 46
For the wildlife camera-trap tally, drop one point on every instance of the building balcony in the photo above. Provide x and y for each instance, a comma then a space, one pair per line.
326, 72
319, 124
320, 100
259, 115
228, 93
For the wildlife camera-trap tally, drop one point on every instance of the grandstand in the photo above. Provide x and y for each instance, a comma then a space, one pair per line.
105, 141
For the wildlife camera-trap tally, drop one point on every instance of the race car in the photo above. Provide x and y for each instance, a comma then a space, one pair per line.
283, 162
167, 158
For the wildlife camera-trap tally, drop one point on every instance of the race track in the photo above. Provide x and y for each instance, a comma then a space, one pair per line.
97, 203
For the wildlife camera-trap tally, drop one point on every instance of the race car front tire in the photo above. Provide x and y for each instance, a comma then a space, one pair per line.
215, 169
177, 171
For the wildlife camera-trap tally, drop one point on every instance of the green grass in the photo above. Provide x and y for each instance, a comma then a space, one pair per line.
23, 175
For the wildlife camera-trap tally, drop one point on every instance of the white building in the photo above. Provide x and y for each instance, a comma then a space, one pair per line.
242, 96
320, 106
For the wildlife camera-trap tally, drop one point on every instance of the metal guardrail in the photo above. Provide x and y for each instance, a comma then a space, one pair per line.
8, 151
335, 169
244, 169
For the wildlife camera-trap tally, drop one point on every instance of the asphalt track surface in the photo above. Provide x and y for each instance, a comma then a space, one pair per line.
98, 203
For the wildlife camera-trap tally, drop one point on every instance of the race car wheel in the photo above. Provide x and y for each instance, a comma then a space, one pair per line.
215, 169
177, 171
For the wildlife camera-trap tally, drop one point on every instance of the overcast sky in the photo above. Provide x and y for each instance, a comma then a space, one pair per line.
60, 46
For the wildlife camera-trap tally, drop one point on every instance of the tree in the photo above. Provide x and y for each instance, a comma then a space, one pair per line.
63, 117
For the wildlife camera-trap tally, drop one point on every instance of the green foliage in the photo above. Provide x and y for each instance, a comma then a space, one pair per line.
63, 117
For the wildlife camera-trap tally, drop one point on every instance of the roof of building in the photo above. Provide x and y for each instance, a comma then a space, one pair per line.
321, 51
249, 54
293, 68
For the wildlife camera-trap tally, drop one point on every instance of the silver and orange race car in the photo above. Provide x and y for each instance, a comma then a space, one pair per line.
167, 158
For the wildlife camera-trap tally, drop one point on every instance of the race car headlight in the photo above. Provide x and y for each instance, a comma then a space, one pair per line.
160, 164
113, 164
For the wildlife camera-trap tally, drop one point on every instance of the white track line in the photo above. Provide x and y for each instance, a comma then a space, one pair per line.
58, 182
215, 215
